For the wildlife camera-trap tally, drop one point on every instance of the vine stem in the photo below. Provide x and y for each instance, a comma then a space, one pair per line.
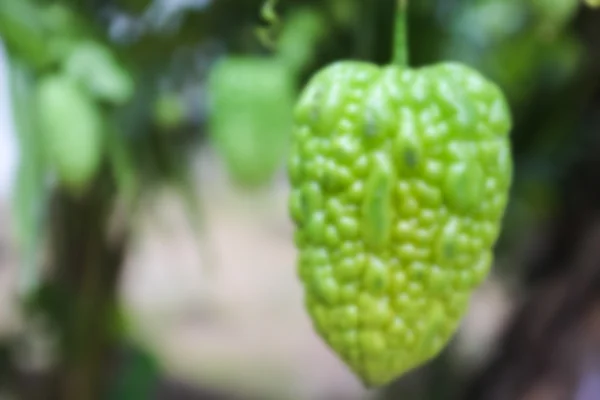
400, 34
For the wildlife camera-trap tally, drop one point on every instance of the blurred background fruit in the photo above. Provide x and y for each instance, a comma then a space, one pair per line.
251, 107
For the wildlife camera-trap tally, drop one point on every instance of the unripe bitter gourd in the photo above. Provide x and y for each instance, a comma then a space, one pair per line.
252, 102
400, 178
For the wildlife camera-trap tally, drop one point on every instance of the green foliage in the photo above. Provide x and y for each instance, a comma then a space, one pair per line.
92, 65
22, 28
513, 41
71, 131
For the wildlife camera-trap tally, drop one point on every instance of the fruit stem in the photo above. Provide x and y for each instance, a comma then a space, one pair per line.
400, 34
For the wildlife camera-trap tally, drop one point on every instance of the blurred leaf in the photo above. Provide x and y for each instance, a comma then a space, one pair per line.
562, 60
22, 29
93, 65
345, 12
61, 20
514, 65
72, 131
554, 14
64, 29
489, 21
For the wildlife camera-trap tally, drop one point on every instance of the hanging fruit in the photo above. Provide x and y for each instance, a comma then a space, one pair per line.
400, 179
252, 101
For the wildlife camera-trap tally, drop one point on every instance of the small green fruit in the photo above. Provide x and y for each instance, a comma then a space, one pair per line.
251, 115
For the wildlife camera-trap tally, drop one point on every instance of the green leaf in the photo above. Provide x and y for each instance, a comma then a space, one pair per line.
22, 30
73, 131
64, 28
554, 14
95, 67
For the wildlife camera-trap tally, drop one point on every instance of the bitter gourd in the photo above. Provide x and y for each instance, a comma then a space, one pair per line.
399, 183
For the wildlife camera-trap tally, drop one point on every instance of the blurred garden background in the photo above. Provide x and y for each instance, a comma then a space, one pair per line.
145, 246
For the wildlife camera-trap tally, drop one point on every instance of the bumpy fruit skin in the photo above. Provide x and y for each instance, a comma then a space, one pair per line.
71, 128
399, 179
